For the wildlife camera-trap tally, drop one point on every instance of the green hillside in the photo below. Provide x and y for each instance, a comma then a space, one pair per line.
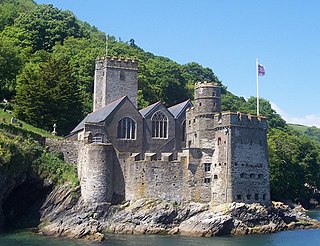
312, 132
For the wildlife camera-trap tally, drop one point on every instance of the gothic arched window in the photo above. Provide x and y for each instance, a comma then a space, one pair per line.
159, 125
127, 128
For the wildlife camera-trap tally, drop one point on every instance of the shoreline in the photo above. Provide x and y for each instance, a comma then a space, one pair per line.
62, 216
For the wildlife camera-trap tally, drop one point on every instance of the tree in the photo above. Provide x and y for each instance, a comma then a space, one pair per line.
48, 93
45, 26
10, 67
294, 165
274, 119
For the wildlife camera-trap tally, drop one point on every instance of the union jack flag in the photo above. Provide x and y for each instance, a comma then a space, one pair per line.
261, 71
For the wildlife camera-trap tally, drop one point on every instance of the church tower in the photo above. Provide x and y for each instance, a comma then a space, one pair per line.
115, 78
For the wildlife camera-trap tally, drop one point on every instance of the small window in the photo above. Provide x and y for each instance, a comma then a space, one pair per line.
122, 76
207, 180
249, 197
264, 196
97, 139
238, 197
207, 167
213, 93
200, 104
243, 175
260, 176
215, 176
250, 141
256, 196
219, 141
252, 175
184, 131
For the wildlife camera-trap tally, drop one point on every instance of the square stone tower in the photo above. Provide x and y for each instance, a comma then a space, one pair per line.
114, 78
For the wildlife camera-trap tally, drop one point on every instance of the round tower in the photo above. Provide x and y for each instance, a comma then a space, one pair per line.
96, 172
207, 98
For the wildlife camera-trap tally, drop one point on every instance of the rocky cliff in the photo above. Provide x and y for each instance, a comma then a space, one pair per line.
63, 214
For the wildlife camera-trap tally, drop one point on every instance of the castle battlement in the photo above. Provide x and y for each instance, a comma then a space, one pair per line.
168, 157
205, 84
116, 62
240, 119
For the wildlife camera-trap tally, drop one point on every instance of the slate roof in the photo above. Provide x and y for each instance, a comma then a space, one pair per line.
177, 109
146, 110
99, 115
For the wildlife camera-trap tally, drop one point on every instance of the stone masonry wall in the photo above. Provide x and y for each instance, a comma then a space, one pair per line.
68, 148
95, 170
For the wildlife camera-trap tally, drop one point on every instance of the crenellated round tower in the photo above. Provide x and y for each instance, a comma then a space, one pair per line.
207, 97
199, 120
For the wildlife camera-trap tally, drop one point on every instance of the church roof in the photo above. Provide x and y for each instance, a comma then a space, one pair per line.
99, 115
177, 109
146, 110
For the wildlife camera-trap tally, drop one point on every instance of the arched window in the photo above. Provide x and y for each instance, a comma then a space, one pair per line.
127, 128
219, 141
159, 125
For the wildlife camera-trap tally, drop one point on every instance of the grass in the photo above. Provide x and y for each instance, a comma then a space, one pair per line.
6, 118
299, 128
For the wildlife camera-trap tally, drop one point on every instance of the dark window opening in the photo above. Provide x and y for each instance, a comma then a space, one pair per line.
207, 167
238, 197
122, 75
207, 180
249, 197
256, 197
215, 176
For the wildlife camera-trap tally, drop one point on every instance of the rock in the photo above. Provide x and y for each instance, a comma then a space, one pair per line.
64, 214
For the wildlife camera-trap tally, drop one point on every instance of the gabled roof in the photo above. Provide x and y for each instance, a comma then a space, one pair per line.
177, 109
100, 114
146, 110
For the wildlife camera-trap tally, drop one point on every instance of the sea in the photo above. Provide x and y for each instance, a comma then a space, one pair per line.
27, 237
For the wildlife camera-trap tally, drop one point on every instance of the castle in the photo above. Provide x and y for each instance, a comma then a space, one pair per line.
182, 153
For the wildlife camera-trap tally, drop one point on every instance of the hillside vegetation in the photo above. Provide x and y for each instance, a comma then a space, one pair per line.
47, 59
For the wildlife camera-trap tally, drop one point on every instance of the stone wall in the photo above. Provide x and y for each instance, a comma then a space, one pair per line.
68, 148
115, 78
95, 171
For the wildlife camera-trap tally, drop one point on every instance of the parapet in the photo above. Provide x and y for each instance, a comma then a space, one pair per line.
240, 119
205, 84
117, 62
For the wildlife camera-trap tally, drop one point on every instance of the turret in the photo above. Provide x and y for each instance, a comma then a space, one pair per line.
200, 118
207, 98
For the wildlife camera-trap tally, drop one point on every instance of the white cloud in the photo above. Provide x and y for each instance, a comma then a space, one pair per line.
307, 120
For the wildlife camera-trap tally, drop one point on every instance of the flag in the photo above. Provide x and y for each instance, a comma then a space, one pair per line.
261, 71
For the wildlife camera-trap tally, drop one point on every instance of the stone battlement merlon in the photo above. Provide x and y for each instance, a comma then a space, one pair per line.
147, 157
206, 84
240, 119
116, 62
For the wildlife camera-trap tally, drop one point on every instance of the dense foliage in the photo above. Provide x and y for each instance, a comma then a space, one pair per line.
24, 155
47, 61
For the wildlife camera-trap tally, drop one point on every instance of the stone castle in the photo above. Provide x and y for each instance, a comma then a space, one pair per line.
184, 153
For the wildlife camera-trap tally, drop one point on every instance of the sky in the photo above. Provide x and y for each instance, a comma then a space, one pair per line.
226, 36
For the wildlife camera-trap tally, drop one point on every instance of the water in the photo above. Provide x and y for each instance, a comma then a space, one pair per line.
292, 238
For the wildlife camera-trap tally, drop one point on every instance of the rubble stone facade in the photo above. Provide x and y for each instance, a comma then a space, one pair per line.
184, 153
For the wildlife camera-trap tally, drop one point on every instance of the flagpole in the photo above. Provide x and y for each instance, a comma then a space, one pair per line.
257, 75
